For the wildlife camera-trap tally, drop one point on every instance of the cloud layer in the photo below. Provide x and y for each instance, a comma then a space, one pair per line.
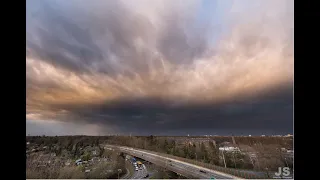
133, 64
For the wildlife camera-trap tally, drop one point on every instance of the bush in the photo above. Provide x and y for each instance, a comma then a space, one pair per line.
70, 173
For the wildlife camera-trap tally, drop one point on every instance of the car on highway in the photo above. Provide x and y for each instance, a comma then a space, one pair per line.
202, 171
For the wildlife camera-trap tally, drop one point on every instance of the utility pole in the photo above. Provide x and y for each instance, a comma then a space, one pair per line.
234, 160
251, 160
224, 160
166, 163
258, 161
119, 170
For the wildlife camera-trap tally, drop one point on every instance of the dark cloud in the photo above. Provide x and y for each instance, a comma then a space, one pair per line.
268, 112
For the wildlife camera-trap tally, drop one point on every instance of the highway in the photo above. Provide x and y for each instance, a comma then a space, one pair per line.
186, 169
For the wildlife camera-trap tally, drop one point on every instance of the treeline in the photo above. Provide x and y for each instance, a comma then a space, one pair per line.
244, 140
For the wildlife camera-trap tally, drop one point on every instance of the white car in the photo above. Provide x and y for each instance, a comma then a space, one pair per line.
137, 169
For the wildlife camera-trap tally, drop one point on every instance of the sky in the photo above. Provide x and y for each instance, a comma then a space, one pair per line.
159, 67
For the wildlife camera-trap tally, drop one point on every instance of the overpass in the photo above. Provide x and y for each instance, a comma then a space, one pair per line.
183, 167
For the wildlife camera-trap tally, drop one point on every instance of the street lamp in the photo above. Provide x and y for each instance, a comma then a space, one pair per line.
224, 160
119, 171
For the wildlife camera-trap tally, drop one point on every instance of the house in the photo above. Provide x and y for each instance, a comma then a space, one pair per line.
289, 151
229, 149
225, 143
78, 162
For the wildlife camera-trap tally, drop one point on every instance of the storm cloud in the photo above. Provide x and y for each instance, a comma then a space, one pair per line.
161, 66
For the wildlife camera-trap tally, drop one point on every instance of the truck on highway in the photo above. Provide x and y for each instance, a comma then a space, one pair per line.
139, 165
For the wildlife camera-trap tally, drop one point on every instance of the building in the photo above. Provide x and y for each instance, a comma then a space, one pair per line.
289, 151
78, 162
229, 149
